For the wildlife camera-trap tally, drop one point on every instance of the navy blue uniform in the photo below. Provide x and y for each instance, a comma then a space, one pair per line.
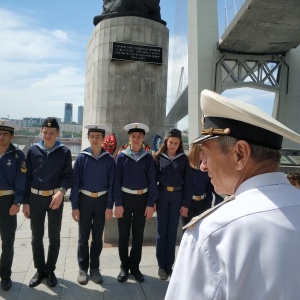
12, 177
176, 173
47, 170
133, 174
201, 187
93, 174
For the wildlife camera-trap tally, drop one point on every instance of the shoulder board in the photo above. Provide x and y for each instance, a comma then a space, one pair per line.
207, 212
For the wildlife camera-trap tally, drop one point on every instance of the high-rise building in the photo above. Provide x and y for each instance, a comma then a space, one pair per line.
80, 114
68, 113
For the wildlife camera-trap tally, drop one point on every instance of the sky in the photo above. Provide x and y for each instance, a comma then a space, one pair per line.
43, 55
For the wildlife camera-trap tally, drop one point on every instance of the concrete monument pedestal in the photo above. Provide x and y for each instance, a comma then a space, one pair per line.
122, 92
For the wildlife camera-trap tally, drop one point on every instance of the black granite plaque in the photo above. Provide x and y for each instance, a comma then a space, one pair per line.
147, 54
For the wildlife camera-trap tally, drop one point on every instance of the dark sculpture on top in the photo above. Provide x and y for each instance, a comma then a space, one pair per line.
149, 9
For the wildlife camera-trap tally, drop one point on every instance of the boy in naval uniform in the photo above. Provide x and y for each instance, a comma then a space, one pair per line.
92, 202
12, 188
135, 193
50, 174
247, 247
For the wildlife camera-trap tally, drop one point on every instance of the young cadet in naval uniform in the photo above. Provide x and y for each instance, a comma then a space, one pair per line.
50, 174
174, 175
248, 247
12, 188
92, 202
135, 192
204, 196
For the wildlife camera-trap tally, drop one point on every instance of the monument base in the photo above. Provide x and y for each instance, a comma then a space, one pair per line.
121, 92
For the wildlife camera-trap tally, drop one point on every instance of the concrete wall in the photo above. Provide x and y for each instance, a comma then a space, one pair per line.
122, 92
202, 51
287, 102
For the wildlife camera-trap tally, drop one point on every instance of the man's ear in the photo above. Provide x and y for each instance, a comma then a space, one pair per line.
242, 153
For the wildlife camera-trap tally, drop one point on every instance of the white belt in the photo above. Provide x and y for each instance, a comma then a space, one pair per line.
44, 193
93, 194
6, 192
198, 198
135, 192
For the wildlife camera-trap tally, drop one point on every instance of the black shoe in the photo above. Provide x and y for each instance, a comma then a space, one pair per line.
6, 284
137, 275
123, 275
37, 278
169, 271
51, 279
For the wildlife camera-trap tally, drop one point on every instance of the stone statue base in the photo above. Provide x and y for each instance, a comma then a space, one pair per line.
121, 92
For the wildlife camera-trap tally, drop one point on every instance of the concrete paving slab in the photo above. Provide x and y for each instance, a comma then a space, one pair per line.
67, 270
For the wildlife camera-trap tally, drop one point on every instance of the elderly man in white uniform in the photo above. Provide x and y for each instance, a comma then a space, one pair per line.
249, 246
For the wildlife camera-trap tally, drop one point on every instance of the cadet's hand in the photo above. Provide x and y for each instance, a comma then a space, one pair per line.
14, 209
119, 211
149, 212
184, 211
56, 200
75, 215
26, 211
108, 214
154, 208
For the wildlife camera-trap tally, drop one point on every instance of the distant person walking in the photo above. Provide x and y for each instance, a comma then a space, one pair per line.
13, 173
50, 174
92, 203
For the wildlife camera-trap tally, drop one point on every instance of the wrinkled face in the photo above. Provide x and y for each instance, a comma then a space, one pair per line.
173, 144
136, 138
49, 136
5, 138
95, 139
220, 167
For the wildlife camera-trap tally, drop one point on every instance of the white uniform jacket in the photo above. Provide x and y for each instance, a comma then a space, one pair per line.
248, 248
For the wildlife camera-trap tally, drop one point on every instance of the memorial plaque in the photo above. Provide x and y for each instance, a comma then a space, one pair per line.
147, 54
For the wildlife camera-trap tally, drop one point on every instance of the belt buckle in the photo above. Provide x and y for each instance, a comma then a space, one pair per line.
198, 198
170, 188
94, 194
46, 193
139, 192
1, 193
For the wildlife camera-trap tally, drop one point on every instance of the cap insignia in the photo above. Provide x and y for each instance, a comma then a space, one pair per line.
216, 131
49, 124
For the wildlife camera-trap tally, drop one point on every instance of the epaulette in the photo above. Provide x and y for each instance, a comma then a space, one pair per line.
207, 212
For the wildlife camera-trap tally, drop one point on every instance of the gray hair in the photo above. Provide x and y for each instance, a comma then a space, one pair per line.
258, 153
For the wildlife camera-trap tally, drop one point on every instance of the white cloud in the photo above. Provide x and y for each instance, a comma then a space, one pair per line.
40, 70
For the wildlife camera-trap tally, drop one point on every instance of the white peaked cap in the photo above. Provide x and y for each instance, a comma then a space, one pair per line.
225, 116
136, 127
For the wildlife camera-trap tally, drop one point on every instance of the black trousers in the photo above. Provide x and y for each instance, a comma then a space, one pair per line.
39, 207
133, 218
91, 219
8, 226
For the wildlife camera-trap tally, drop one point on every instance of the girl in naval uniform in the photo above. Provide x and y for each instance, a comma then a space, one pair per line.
173, 173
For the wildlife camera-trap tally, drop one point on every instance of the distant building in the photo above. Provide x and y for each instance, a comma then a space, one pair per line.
71, 128
80, 115
68, 113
